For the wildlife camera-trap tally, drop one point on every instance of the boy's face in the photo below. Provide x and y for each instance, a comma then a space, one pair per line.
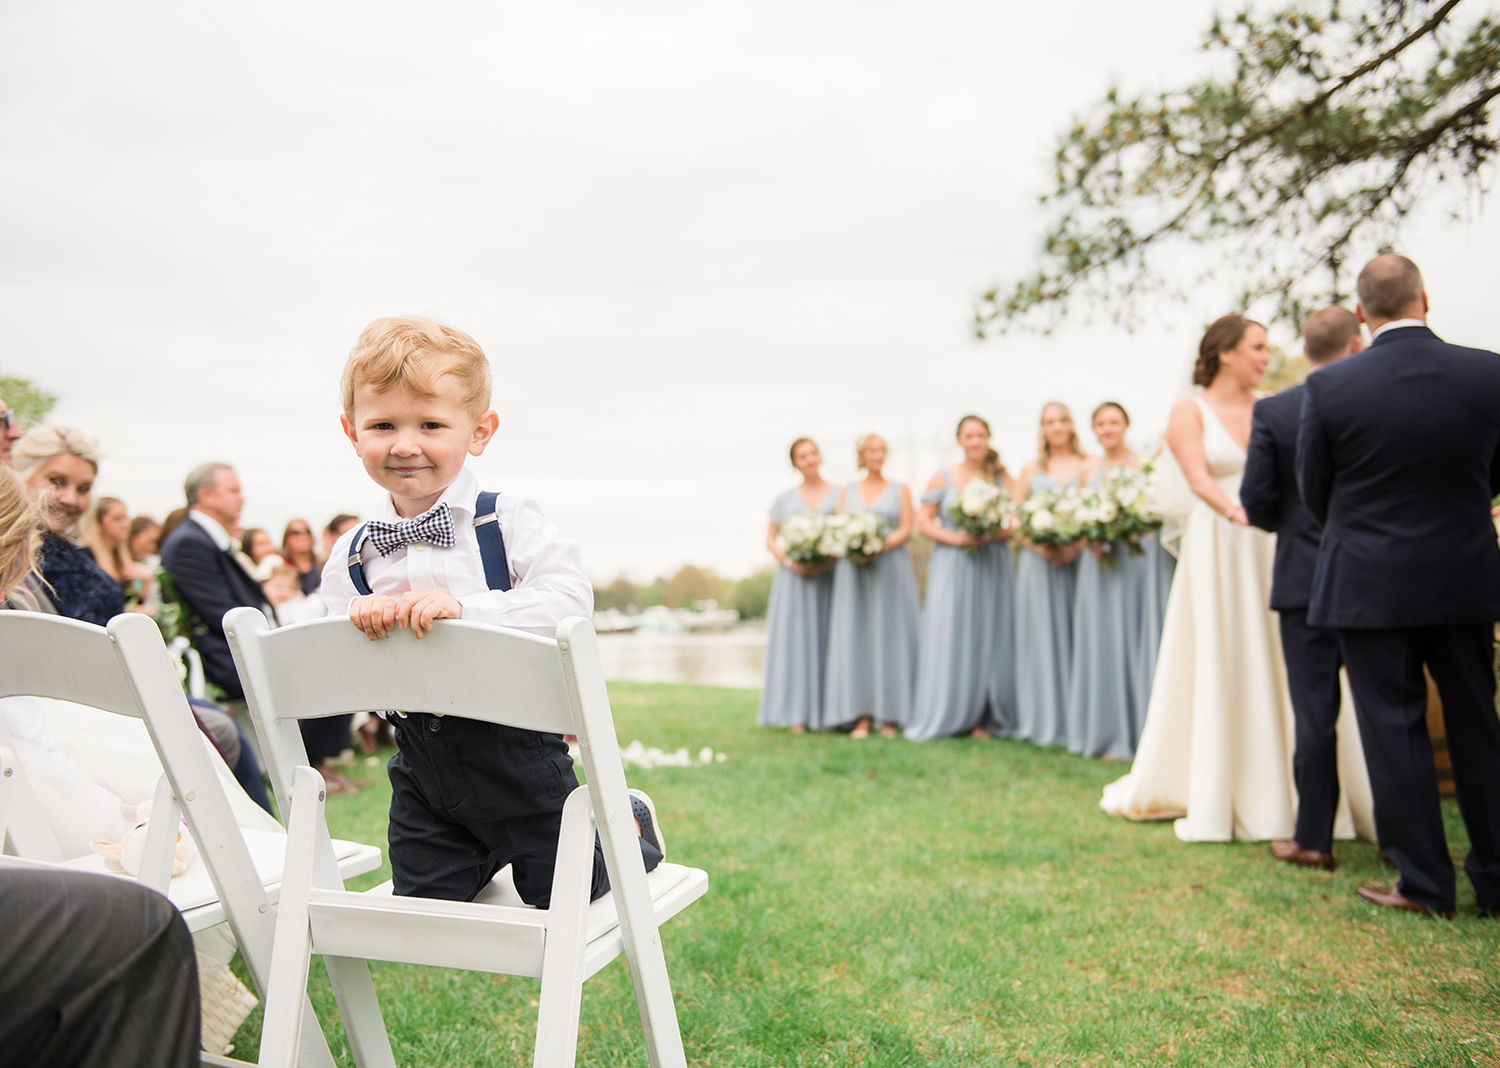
414, 446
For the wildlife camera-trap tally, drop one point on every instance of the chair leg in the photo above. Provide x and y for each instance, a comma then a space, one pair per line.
567, 925
363, 1023
285, 1026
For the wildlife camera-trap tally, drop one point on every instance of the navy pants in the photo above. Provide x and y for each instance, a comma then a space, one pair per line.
1312, 674
1390, 701
469, 797
98, 971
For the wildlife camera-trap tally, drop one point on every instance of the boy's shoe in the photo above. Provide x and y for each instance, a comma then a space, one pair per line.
645, 815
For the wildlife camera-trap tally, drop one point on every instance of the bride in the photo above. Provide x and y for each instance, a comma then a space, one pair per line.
1215, 752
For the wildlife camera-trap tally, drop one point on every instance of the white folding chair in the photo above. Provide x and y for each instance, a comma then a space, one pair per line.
328, 667
125, 669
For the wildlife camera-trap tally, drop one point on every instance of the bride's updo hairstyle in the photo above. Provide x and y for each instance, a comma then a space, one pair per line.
1043, 447
993, 469
1224, 334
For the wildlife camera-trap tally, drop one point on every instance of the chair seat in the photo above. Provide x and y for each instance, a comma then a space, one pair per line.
518, 933
193, 891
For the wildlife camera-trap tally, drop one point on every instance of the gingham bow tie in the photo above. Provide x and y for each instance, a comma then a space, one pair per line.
434, 526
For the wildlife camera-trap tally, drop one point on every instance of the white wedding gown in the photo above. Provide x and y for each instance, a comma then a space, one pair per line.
1216, 749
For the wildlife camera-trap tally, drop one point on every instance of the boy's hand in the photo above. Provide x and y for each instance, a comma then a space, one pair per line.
419, 608
374, 613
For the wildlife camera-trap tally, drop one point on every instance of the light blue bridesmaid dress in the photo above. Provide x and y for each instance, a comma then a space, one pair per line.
796, 632
1044, 640
965, 669
1103, 720
872, 633
1147, 580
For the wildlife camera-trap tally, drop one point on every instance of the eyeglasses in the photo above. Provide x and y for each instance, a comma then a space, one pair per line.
299, 533
7, 421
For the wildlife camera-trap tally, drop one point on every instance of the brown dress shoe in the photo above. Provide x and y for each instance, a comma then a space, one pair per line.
1292, 853
1394, 899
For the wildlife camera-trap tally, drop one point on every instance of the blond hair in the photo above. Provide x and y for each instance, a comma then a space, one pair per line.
111, 559
863, 442
413, 352
1043, 447
20, 537
40, 444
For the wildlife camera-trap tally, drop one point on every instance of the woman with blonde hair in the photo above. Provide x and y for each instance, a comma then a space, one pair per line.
1046, 582
873, 624
801, 596
106, 535
20, 542
966, 659
57, 465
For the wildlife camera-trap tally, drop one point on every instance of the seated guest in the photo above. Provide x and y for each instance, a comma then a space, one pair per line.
335, 530
298, 551
145, 539
256, 545
57, 465
106, 535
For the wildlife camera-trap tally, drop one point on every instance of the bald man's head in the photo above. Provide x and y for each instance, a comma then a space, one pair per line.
1390, 287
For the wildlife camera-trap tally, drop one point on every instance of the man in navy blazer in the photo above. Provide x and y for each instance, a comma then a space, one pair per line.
1268, 492
1398, 456
200, 558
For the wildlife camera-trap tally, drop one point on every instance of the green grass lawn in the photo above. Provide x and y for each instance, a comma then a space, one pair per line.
967, 903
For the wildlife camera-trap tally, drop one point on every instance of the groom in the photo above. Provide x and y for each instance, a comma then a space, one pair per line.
1268, 492
1398, 456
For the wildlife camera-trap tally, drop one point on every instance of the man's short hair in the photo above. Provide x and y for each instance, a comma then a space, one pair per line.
1327, 333
201, 478
1388, 285
412, 351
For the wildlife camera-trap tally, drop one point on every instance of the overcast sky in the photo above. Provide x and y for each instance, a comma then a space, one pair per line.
684, 233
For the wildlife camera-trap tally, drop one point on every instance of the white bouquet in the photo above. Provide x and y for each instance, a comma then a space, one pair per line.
1051, 518
982, 509
863, 536
1133, 494
809, 539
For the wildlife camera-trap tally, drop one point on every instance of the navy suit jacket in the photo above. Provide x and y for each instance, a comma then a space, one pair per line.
1268, 491
1398, 455
212, 582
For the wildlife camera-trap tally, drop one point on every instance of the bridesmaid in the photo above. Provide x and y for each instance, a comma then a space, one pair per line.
966, 661
1046, 580
1116, 619
872, 634
797, 617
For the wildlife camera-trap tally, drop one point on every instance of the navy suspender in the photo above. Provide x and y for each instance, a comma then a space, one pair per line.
486, 529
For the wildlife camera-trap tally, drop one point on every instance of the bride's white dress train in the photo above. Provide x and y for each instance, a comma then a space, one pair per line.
1216, 750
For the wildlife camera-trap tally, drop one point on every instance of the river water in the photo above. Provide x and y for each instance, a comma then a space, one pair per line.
734, 657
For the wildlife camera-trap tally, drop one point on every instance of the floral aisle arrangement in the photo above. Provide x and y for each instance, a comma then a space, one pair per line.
981, 510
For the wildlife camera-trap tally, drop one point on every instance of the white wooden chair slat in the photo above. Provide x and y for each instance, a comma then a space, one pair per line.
326, 668
125, 669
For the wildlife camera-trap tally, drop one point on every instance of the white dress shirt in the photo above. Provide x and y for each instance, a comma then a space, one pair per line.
1396, 324
546, 571
215, 529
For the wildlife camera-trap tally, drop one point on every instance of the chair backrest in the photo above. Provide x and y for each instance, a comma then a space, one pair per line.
125, 669
326, 667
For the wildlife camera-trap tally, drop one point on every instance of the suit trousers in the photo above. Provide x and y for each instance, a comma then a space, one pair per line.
1390, 702
1312, 671
469, 797
97, 971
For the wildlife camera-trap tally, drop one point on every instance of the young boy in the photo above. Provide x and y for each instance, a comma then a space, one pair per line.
467, 797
